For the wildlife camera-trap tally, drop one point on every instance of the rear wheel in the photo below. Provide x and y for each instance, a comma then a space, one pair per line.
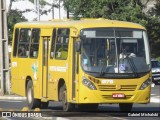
66, 105
125, 107
31, 101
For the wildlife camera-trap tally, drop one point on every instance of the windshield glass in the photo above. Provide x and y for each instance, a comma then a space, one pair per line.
114, 50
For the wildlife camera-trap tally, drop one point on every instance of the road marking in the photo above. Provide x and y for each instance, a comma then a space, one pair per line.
11, 101
60, 118
154, 100
119, 118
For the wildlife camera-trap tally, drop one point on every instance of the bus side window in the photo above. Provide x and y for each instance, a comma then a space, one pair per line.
34, 43
53, 43
62, 43
15, 42
24, 41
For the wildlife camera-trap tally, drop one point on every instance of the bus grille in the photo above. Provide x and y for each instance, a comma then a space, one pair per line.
128, 87
109, 97
107, 87
115, 88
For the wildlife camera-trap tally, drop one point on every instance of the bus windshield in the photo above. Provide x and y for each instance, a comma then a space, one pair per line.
114, 50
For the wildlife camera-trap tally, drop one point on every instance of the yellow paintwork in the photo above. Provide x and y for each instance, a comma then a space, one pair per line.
21, 68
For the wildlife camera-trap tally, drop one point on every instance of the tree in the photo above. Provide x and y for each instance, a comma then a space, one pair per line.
43, 3
153, 28
128, 10
14, 17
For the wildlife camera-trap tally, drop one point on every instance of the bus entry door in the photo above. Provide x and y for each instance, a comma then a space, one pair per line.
45, 65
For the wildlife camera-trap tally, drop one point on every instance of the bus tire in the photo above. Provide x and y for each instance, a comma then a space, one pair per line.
125, 107
66, 105
31, 101
88, 107
44, 105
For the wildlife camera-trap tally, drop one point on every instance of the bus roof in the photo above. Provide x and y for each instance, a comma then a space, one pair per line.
80, 24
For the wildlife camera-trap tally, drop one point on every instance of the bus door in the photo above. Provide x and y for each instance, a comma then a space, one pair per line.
45, 49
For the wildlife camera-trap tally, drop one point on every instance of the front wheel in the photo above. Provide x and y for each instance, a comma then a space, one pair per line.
125, 107
31, 101
66, 105
44, 105
88, 107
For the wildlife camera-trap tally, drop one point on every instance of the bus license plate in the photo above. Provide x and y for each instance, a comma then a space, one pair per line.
118, 95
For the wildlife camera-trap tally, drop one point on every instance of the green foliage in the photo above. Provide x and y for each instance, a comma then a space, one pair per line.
153, 28
14, 17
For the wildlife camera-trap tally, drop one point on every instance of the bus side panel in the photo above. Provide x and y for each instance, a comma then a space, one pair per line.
22, 67
56, 73
34, 72
36, 68
14, 75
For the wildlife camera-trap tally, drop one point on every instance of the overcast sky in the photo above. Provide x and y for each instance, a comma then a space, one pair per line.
25, 4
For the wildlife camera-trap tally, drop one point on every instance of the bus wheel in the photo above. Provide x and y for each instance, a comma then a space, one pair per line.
125, 107
88, 107
66, 105
31, 101
44, 105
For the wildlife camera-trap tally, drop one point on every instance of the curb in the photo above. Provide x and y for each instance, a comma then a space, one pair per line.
12, 98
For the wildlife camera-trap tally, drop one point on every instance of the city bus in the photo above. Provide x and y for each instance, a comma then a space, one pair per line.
81, 63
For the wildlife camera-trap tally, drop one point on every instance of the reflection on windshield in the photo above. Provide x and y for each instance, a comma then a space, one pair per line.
102, 52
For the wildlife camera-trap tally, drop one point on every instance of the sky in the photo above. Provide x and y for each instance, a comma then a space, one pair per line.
25, 4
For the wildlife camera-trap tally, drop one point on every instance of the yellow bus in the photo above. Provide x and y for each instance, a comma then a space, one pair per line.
82, 63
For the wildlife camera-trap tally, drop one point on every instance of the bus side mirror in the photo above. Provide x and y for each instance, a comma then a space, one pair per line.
78, 46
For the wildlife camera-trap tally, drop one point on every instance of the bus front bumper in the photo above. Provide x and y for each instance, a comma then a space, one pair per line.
102, 97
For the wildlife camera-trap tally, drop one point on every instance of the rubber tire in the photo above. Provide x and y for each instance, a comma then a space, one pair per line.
88, 107
125, 107
66, 105
31, 101
44, 105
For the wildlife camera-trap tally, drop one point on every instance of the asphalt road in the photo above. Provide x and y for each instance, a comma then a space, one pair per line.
110, 111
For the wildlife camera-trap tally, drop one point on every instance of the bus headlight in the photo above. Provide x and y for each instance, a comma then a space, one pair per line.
88, 84
145, 84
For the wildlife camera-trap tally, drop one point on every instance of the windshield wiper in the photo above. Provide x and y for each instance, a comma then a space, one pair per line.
133, 67
102, 71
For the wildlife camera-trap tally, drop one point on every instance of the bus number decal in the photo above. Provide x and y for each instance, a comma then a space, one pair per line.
107, 81
58, 68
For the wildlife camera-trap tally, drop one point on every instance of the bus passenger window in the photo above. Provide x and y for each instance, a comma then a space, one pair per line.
15, 42
34, 47
62, 43
24, 41
53, 43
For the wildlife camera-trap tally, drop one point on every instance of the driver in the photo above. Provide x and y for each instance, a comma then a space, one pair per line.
126, 52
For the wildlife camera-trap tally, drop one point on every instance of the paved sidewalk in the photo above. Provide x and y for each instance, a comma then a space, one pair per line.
12, 97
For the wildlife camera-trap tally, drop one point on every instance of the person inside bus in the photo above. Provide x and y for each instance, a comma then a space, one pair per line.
21, 51
126, 52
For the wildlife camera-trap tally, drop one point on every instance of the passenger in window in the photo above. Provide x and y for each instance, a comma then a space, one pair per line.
21, 37
22, 51
33, 52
